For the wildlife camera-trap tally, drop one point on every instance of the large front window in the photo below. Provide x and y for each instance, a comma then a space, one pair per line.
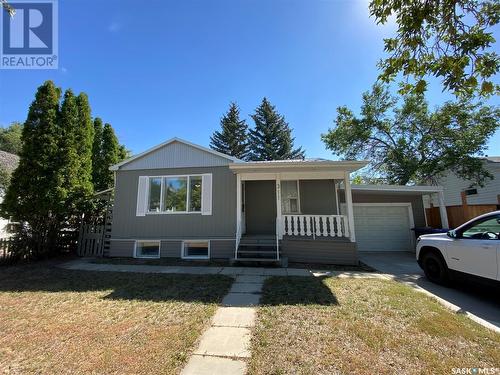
173, 194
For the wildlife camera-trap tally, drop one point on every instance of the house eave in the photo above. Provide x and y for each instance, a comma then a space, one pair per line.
271, 166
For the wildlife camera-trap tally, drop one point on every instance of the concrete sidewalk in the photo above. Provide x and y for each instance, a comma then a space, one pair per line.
225, 346
87, 265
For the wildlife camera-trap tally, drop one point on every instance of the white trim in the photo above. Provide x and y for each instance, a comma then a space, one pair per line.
348, 201
292, 175
336, 185
175, 139
183, 256
425, 211
301, 164
147, 257
400, 188
443, 213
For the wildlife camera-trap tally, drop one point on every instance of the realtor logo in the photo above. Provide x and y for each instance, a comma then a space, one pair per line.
29, 37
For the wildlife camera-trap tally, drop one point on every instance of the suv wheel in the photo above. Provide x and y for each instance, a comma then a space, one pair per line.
435, 268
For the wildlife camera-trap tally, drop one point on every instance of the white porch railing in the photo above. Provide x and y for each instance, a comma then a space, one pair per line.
315, 225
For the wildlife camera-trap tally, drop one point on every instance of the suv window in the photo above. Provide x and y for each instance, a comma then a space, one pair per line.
488, 229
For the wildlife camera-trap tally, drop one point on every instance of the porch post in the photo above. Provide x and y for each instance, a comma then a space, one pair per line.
238, 215
348, 201
278, 206
442, 210
337, 205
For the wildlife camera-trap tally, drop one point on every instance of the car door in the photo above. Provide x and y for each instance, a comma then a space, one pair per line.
474, 250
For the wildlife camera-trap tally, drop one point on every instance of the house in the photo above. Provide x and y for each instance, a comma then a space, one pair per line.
463, 199
455, 188
182, 200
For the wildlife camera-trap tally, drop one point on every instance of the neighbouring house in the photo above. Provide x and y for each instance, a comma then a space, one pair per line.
463, 199
182, 200
8, 162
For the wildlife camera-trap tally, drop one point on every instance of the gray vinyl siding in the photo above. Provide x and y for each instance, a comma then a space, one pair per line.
222, 249
453, 187
317, 197
176, 155
122, 249
318, 251
219, 249
221, 224
417, 205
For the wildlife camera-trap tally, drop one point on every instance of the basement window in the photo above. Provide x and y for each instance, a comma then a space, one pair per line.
147, 249
196, 249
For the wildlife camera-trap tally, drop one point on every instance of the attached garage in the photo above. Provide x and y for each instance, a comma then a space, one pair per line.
384, 215
384, 226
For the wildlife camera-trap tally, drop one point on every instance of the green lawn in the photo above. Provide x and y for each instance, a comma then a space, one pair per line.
362, 326
60, 321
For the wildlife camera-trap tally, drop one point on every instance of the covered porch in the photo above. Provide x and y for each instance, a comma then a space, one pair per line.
286, 201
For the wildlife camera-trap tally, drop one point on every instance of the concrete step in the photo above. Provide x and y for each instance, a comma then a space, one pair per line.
258, 260
258, 243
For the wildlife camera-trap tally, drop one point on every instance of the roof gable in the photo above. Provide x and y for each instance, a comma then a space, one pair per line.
175, 153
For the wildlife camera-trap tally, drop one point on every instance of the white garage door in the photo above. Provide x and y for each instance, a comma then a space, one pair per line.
383, 228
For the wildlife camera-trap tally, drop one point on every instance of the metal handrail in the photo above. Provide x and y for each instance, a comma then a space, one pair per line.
238, 238
278, 232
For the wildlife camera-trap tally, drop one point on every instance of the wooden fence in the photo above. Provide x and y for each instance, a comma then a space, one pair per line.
5, 254
457, 215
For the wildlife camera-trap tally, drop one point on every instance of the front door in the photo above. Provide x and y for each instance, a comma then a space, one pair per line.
260, 207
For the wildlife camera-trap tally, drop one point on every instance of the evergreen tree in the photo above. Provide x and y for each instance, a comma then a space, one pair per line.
34, 195
84, 144
96, 152
232, 139
110, 156
123, 153
69, 159
271, 139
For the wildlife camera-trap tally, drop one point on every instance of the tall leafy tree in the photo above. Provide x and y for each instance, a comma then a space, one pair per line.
408, 143
34, 195
232, 138
10, 138
448, 39
271, 139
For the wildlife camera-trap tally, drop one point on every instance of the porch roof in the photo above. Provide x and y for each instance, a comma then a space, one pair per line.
297, 165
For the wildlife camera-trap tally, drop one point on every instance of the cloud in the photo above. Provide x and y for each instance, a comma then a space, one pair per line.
64, 70
114, 27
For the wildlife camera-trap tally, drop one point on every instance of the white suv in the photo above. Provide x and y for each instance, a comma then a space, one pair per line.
472, 249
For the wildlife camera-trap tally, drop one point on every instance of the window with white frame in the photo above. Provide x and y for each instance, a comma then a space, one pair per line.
290, 202
197, 249
175, 194
147, 249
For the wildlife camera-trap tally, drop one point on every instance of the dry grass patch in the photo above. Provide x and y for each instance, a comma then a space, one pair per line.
61, 321
362, 326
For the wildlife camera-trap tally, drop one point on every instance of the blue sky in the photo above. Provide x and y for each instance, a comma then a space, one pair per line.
157, 69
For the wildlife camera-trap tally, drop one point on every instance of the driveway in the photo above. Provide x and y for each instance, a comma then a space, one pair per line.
477, 300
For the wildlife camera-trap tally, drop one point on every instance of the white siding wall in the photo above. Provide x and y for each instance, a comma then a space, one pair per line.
453, 186
176, 155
